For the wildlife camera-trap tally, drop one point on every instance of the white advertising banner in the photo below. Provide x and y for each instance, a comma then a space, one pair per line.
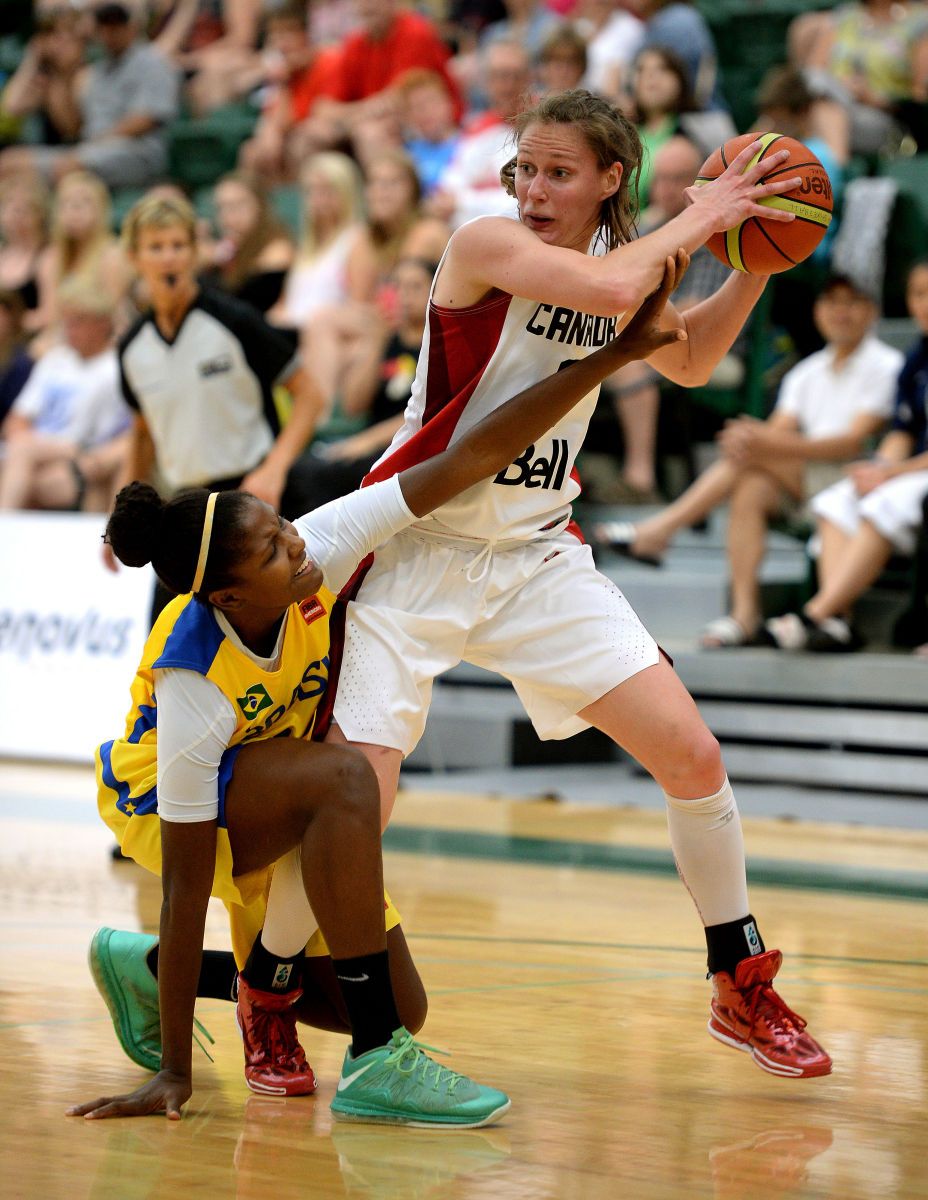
71, 633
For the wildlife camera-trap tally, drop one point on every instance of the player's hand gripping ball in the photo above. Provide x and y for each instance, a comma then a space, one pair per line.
762, 247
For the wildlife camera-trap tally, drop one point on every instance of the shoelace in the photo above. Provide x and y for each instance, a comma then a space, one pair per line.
777, 1013
409, 1056
277, 1035
206, 1033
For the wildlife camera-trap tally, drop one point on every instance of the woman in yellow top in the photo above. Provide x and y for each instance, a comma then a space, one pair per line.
217, 777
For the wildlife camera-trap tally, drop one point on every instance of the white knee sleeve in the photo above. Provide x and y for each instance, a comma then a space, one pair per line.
705, 836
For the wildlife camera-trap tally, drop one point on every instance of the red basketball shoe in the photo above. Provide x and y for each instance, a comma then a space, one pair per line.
275, 1064
749, 1015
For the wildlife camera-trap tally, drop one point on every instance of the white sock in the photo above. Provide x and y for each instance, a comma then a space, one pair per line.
705, 836
289, 922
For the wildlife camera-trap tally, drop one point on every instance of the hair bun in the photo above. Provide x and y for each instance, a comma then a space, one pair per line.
135, 525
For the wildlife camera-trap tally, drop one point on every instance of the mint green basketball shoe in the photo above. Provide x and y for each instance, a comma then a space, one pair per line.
398, 1084
119, 965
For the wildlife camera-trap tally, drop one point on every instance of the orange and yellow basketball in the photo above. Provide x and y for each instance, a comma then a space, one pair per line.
762, 247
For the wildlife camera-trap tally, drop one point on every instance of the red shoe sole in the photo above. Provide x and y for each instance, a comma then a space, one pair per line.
299, 1087
766, 1064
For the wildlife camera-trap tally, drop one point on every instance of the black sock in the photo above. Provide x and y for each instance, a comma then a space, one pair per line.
218, 974
728, 944
368, 994
273, 972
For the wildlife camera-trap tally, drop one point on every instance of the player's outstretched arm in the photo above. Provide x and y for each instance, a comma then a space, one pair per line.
500, 437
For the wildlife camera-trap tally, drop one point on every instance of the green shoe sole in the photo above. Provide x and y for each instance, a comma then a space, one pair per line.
104, 976
347, 1111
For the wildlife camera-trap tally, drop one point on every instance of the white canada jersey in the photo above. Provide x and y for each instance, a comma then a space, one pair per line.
472, 360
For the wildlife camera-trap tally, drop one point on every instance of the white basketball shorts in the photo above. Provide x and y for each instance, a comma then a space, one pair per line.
540, 615
894, 508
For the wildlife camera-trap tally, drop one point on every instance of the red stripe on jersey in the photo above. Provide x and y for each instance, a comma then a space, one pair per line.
337, 619
461, 343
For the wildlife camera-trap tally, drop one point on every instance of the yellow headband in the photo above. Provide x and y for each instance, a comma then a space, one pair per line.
204, 542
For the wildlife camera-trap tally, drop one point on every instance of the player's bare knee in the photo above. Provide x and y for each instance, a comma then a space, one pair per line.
356, 790
694, 765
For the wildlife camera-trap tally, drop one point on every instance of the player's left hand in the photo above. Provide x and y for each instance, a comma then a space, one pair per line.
266, 482
643, 334
166, 1093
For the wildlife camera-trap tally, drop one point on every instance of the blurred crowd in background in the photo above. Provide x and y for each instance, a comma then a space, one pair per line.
330, 148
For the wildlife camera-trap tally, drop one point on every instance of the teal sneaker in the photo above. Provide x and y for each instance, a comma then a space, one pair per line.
398, 1084
119, 965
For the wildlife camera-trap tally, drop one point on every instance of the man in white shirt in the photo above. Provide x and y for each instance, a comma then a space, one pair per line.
67, 433
830, 405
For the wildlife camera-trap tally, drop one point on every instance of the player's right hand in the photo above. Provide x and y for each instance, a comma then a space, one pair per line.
166, 1093
735, 195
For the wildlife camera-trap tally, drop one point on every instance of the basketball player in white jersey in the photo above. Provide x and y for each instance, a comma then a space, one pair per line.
499, 578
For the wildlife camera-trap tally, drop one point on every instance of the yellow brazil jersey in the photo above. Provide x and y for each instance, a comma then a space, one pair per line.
280, 703
285, 702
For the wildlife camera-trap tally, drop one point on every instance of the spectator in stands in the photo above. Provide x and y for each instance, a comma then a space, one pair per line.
660, 94
430, 133
562, 60
872, 57
528, 22
784, 103
634, 389
44, 84
66, 435
15, 362
395, 228
200, 369
470, 186
322, 272
872, 514
82, 247
254, 250
297, 73
375, 388
23, 240
613, 38
126, 100
215, 44
829, 408
389, 42
678, 26
396, 225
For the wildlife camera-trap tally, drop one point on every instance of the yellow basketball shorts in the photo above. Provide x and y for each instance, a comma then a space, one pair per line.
136, 826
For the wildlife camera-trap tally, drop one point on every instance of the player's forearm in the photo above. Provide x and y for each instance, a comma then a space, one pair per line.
712, 327
189, 857
641, 262
501, 436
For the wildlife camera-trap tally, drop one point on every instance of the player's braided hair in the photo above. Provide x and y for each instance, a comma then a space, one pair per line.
143, 528
610, 136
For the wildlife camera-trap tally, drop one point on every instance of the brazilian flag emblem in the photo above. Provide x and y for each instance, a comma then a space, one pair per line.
255, 700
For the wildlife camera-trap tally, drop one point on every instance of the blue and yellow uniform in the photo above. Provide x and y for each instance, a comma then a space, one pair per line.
285, 702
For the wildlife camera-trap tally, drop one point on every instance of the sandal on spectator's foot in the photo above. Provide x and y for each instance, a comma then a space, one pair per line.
725, 632
796, 631
833, 636
789, 632
619, 536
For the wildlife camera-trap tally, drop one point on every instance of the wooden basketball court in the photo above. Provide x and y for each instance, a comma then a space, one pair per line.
564, 964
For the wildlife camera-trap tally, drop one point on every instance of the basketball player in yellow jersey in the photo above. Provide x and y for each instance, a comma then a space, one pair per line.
202, 788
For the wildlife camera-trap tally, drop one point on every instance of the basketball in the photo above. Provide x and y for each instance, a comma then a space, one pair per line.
762, 247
